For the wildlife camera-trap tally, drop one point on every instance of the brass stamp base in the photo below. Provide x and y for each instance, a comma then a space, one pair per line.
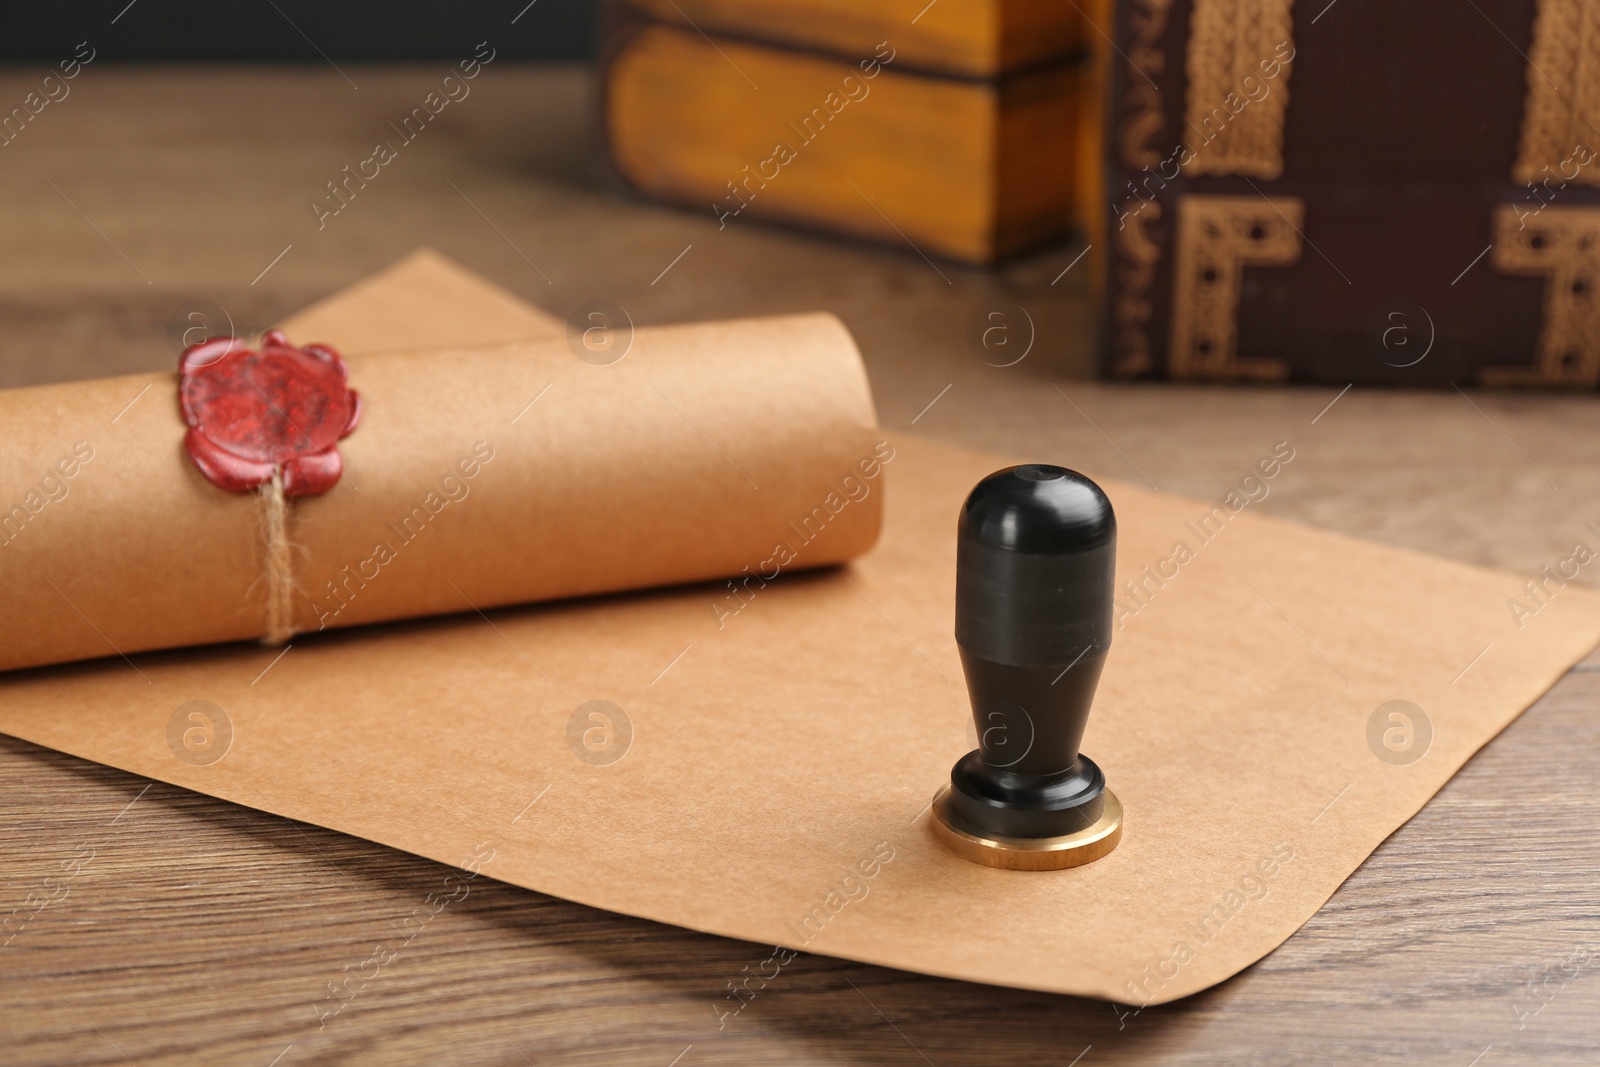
1029, 853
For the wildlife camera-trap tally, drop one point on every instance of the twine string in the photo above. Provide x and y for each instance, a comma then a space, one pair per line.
279, 561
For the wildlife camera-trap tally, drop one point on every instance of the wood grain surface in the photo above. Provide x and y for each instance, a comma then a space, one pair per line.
178, 929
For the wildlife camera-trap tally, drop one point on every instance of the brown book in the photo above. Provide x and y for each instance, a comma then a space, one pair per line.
1348, 192
867, 142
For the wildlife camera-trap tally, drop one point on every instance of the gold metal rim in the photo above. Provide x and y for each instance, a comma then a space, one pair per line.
1029, 853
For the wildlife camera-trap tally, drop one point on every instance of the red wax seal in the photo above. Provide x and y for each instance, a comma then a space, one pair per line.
252, 413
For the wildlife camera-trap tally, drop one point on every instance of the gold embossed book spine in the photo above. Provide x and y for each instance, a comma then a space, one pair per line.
1354, 193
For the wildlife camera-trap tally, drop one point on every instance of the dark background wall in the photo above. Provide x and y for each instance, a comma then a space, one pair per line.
297, 30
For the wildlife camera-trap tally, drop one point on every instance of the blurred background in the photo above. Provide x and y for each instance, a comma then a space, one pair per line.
202, 153
295, 31
1170, 215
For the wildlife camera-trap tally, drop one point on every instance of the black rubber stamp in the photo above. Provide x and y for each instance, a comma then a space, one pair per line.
1035, 566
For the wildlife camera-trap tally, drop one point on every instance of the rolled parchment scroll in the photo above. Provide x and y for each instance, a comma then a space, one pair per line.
480, 477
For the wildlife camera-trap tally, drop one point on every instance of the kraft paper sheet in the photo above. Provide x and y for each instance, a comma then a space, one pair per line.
785, 745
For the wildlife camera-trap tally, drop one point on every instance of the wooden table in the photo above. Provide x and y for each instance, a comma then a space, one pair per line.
204, 933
